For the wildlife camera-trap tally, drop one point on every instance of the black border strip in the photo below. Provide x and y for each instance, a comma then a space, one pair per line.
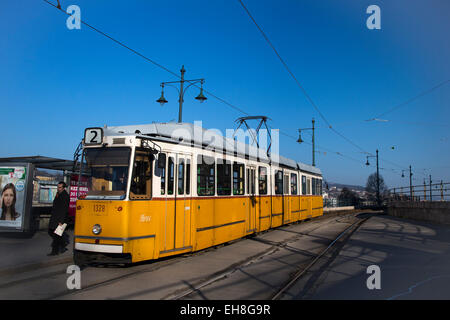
115, 239
219, 226
176, 249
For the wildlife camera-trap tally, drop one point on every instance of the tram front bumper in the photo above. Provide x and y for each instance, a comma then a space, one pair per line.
101, 248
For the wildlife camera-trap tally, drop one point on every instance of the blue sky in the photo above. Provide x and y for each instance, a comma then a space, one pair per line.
54, 82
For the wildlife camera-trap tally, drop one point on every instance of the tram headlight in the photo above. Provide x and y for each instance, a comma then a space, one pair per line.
96, 229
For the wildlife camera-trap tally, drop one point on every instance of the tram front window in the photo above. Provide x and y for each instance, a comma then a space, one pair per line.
108, 169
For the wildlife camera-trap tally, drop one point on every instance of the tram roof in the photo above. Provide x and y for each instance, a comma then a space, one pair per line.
188, 133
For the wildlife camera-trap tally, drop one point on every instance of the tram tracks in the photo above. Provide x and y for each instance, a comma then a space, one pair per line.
60, 272
154, 266
194, 288
302, 271
180, 293
215, 277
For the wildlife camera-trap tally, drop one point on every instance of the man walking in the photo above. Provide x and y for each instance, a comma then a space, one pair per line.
60, 214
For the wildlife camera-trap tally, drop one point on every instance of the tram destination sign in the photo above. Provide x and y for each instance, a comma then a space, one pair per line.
93, 136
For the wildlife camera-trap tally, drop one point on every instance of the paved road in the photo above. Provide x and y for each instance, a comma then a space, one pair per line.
283, 251
413, 257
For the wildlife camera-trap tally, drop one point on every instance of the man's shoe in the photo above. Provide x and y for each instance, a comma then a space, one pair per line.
52, 253
63, 250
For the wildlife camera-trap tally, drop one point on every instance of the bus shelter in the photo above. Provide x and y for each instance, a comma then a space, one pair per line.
33, 190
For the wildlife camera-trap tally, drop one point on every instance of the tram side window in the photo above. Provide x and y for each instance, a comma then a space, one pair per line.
238, 178
303, 185
205, 176
308, 186
293, 183
262, 180
162, 174
286, 184
313, 189
181, 177
278, 182
320, 187
248, 181
188, 176
252, 181
223, 178
170, 176
141, 179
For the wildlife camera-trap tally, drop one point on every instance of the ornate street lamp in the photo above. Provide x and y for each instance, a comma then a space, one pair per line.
201, 97
378, 177
300, 140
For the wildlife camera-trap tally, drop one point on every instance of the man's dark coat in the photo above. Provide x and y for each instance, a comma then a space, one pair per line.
60, 210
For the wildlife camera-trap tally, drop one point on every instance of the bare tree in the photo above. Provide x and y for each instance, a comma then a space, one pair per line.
371, 186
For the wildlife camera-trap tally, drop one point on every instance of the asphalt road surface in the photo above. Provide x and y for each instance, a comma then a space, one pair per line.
411, 259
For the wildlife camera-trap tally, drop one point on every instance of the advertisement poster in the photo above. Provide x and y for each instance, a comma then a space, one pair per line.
73, 192
12, 186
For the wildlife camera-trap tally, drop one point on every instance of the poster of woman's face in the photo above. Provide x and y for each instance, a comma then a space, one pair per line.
12, 187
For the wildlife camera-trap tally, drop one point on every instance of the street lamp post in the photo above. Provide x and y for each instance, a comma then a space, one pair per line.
378, 177
431, 192
313, 142
410, 183
181, 92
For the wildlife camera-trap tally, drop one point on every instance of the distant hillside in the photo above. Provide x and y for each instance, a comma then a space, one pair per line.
340, 186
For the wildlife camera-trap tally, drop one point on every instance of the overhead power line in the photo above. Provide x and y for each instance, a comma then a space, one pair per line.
285, 65
145, 57
213, 95
410, 100
308, 97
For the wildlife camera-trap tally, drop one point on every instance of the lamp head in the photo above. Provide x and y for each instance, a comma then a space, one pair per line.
161, 99
299, 140
201, 97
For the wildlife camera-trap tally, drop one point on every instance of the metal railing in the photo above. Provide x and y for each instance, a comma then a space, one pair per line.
422, 192
358, 203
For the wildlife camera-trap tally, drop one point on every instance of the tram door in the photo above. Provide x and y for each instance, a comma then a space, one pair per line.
183, 203
176, 226
251, 191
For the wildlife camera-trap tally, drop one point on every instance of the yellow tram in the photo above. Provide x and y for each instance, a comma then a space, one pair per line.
163, 189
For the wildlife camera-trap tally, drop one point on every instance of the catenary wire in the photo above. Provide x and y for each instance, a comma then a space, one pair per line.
215, 96
412, 99
308, 97
147, 58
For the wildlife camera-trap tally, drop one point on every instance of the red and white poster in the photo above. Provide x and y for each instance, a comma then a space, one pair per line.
73, 192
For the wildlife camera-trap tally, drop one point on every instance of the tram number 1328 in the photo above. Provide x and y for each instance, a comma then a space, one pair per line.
99, 208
